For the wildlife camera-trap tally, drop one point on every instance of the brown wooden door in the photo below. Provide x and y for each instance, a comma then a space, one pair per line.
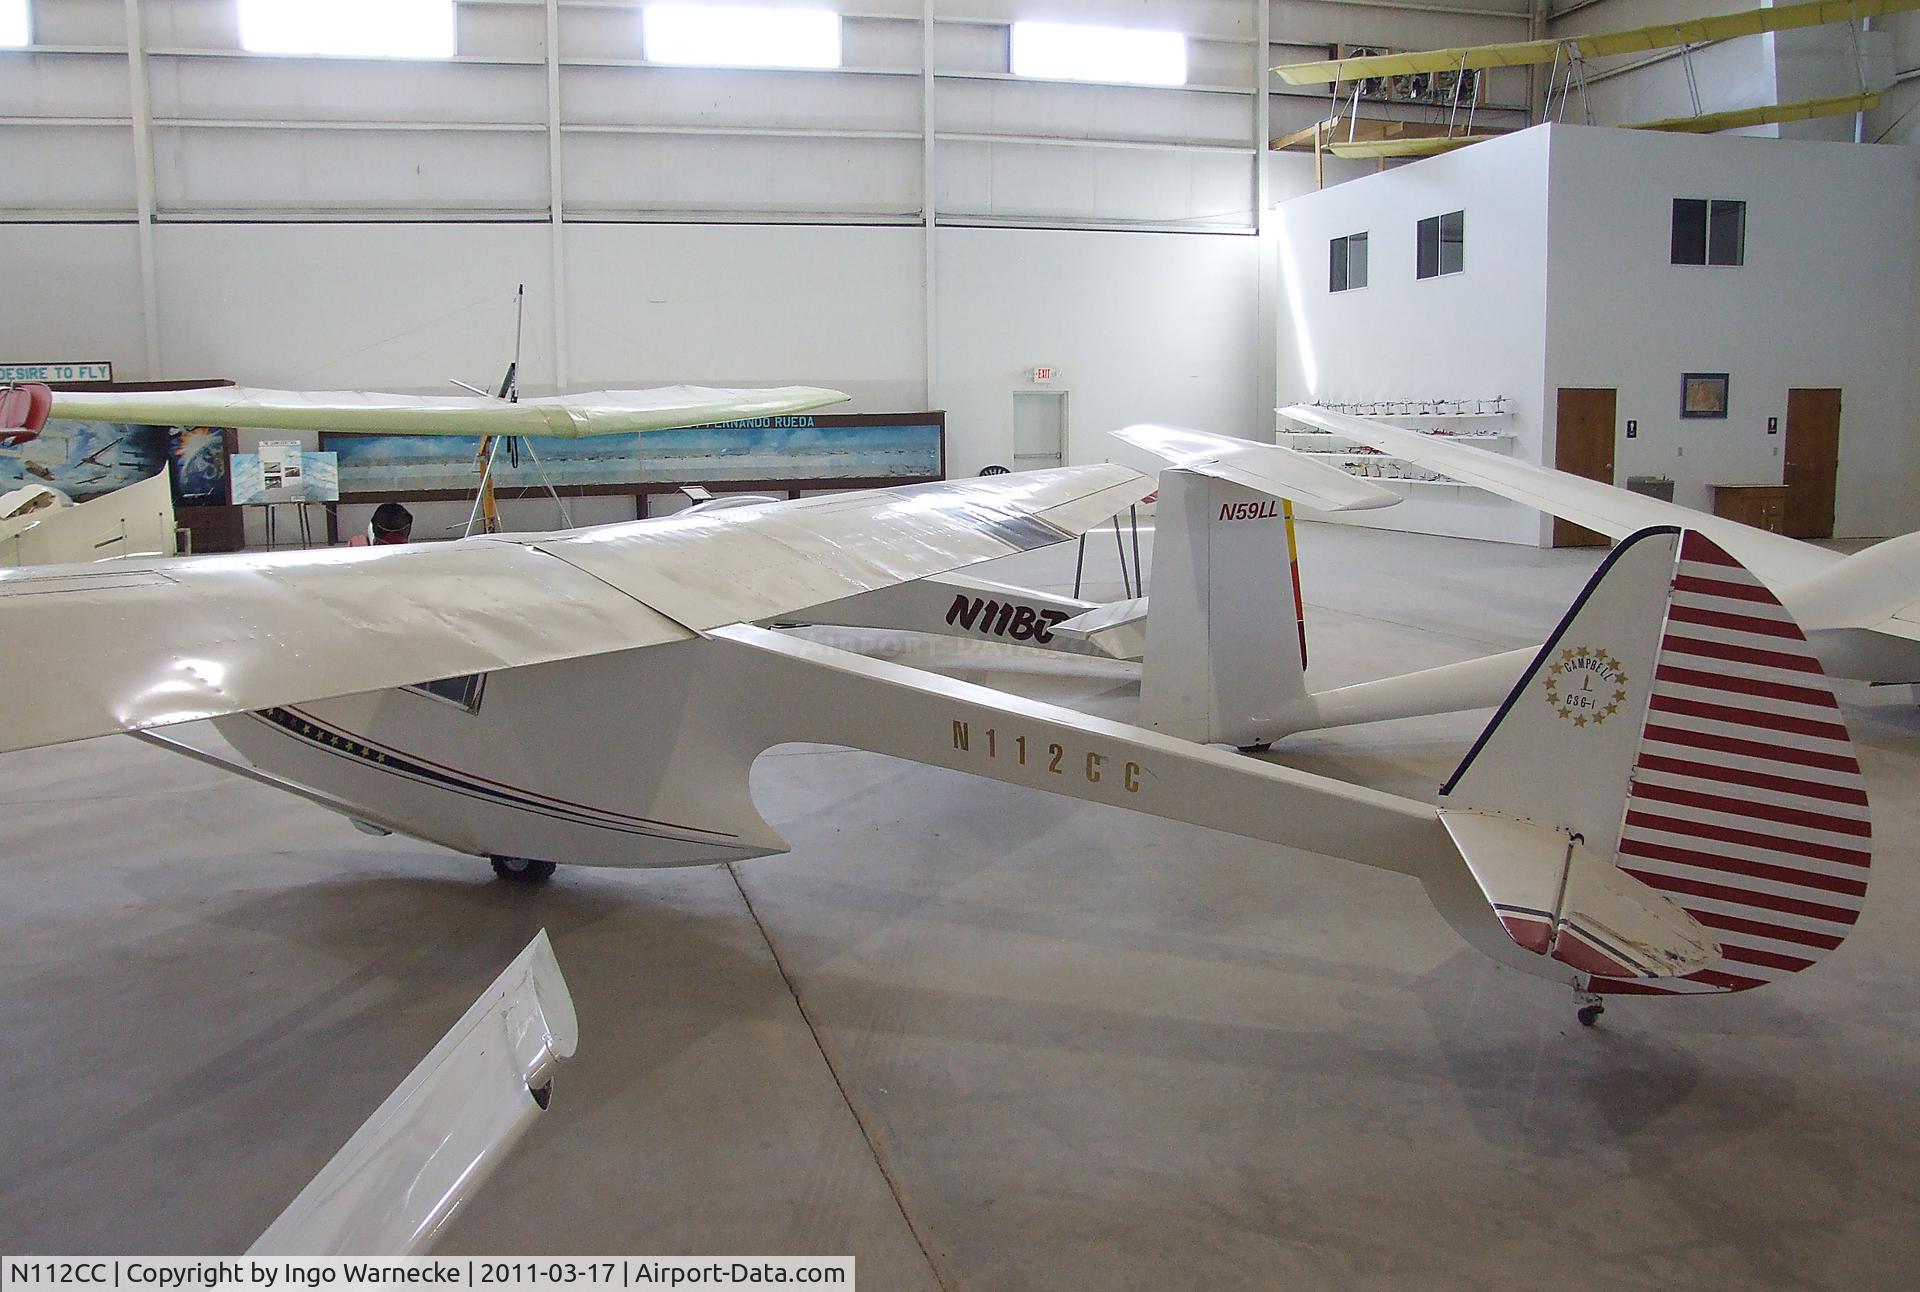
1813, 461
1583, 446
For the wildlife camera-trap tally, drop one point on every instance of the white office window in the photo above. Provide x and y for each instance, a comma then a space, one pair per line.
1059, 51
349, 28
1347, 263
719, 35
14, 27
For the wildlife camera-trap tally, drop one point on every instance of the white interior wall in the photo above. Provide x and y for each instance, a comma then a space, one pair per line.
1471, 335
1897, 119
1824, 299
1141, 327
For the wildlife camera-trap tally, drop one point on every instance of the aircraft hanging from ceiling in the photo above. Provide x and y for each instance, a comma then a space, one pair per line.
1524, 53
1573, 52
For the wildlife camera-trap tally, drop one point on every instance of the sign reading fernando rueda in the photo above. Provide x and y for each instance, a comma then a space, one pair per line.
480, 1273
70, 370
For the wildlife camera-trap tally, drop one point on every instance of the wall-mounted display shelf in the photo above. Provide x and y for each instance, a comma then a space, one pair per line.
1441, 418
1496, 406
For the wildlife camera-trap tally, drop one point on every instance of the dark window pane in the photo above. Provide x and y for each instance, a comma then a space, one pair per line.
1453, 242
1690, 231
463, 691
1727, 233
1337, 265
1428, 251
1357, 260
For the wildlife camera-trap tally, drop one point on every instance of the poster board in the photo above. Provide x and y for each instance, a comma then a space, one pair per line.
284, 472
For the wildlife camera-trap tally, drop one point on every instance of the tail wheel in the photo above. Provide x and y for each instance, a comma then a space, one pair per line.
522, 870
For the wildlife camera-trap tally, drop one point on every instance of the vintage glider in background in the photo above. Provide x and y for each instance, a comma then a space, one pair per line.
1861, 613
1632, 819
602, 412
1566, 56
394, 1186
494, 421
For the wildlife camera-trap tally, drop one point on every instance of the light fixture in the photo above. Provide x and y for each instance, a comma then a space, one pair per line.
1059, 51
703, 35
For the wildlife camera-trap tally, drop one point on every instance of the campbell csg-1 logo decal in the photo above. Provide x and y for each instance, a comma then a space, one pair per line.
1585, 686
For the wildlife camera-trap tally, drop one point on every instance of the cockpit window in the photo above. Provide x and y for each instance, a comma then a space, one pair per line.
464, 691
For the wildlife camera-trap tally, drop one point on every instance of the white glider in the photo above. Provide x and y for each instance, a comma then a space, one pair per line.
618, 691
1861, 612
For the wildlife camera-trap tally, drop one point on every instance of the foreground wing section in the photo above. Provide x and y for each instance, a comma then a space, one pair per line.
1261, 467
439, 1136
604, 412
147, 643
1779, 560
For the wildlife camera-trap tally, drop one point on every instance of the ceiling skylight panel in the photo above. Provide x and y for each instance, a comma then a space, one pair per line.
349, 28
724, 35
1060, 51
14, 28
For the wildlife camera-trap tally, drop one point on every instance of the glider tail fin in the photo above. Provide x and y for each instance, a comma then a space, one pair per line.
1669, 800
1225, 658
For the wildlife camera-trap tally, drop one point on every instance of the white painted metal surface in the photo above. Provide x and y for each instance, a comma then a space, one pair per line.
441, 1134
605, 412
147, 643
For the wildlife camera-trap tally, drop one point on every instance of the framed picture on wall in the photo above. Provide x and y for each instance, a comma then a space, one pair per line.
1703, 394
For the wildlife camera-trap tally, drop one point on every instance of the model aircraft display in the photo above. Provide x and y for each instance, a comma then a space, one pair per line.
1861, 613
1632, 819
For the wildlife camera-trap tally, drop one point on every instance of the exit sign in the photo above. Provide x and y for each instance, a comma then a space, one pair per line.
1043, 376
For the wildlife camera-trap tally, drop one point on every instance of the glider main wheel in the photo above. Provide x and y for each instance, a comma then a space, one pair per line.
1590, 1014
522, 870
1261, 748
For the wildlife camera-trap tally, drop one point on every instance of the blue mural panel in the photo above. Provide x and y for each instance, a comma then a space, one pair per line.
799, 447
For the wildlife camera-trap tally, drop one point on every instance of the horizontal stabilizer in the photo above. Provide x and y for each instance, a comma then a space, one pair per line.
1556, 898
1264, 468
1118, 628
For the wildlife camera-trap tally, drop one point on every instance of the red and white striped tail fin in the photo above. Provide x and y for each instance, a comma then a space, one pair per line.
1679, 686
1747, 809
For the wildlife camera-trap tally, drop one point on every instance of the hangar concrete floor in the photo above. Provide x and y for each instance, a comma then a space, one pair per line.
981, 1038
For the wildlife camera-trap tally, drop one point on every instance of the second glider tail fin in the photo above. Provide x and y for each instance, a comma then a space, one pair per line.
1669, 800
